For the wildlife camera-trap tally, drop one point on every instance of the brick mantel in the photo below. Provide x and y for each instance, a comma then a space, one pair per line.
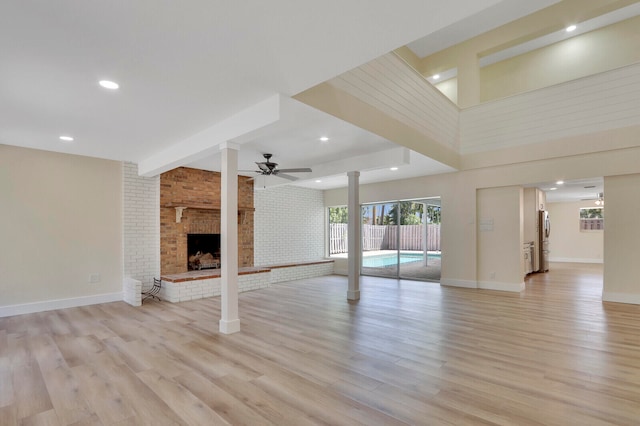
199, 191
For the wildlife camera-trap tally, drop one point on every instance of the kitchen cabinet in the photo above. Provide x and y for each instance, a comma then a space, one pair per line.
527, 254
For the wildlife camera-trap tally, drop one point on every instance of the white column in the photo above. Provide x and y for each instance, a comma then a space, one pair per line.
229, 321
355, 239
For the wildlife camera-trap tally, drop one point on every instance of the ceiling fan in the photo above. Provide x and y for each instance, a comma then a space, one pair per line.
269, 168
599, 199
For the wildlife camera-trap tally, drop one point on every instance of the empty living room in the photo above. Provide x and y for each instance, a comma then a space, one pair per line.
407, 213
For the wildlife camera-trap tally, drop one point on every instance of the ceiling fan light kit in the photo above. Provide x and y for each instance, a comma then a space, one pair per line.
269, 168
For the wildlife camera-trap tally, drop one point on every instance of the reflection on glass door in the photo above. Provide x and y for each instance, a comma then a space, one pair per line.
379, 255
419, 239
402, 239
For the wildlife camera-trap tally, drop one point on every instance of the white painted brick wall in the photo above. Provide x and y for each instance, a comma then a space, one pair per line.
131, 291
141, 225
289, 225
301, 272
199, 289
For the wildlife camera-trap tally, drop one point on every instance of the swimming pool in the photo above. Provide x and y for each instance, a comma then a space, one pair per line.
385, 260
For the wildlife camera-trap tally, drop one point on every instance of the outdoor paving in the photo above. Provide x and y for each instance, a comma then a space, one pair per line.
411, 270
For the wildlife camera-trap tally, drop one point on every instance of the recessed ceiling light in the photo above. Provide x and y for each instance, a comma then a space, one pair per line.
393, 169
560, 182
552, 189
112, 85
436, 76
324, 139
66, 138
318, 181
570, 28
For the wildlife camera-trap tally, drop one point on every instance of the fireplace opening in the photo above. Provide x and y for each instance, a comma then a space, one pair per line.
203, 251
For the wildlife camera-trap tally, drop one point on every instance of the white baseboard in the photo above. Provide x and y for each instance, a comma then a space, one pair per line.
574, 260
631, 298
49, 305
451, 282
494, 285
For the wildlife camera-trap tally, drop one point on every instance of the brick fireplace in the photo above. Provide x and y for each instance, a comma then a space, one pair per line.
190, 204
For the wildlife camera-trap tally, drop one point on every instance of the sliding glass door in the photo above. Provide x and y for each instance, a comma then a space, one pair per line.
419, 240
402, 239
379, 253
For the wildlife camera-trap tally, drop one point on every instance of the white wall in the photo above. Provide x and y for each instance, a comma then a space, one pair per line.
141, 225
566, 242
289, 225
458, 193
586, 54
449, 88
621, 237
500, 231
60, 223
588, 105
389, 85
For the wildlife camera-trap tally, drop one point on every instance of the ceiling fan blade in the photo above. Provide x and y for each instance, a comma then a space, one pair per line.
300, 170
285, 176
263, 166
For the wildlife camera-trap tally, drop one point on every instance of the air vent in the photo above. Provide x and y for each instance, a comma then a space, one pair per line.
589, 187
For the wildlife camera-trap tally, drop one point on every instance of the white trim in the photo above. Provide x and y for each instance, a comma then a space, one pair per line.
229, 327
49, 305
450, 282
353, 295
632, 298
494, 285
229, 145
574, 260
207, 141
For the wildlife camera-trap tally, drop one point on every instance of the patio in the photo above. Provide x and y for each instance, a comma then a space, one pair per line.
414, 270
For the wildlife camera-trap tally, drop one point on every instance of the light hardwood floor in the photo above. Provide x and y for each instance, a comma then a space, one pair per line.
406, 353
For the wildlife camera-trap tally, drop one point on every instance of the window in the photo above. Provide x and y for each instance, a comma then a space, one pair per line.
338, 222
591, 218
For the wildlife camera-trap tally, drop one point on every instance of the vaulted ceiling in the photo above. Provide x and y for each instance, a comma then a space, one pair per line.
184, 68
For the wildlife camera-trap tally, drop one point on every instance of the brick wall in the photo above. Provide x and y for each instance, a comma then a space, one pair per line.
199, 191
198, 289
289, 225
141, 227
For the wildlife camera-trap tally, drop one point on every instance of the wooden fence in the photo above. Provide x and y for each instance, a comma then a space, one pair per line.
385, 237
591, 224
338, 238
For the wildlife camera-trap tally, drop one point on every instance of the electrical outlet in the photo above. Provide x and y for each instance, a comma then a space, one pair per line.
94, 278
493, 275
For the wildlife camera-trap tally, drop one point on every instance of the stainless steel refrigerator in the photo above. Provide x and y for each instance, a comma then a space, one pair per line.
544, 229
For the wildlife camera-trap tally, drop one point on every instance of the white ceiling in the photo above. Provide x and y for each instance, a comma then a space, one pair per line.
572, 190
583, 27
474, 25
182, 66
185, 66
294, 141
